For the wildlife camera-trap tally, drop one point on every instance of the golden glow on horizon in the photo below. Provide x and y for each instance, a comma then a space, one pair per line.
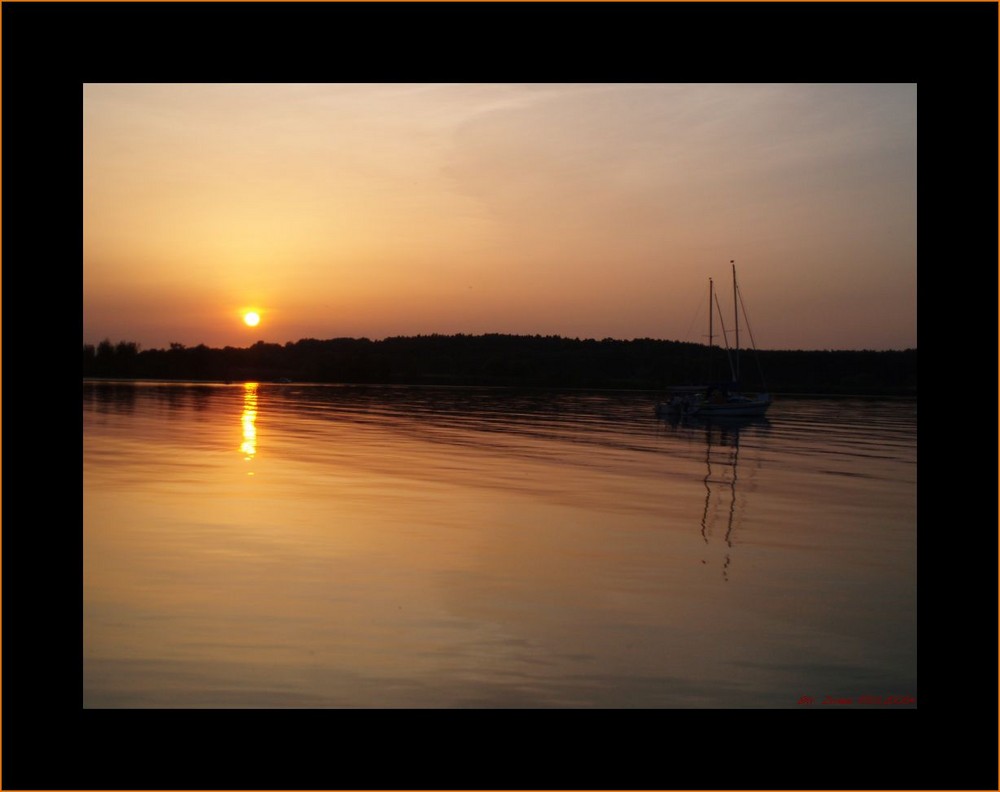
580, 210
251, 318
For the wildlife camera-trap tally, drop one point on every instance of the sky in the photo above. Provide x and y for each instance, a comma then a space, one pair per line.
580, 210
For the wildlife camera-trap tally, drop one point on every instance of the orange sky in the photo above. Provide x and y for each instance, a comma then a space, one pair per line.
579, 210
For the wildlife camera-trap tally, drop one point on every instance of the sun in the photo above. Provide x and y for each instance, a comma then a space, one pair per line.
252, 318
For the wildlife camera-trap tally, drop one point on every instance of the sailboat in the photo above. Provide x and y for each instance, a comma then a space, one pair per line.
721, 399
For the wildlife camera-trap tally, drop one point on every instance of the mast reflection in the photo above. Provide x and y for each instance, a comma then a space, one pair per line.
722, 474
248, 419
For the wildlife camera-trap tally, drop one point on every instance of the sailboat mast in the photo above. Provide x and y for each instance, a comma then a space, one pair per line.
710, 322
736, 312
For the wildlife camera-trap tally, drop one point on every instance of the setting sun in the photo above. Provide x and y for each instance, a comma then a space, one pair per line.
252, 319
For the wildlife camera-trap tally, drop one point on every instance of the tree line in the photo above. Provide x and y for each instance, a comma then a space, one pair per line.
512, 360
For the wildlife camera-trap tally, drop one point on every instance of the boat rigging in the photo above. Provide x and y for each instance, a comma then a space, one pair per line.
724, 398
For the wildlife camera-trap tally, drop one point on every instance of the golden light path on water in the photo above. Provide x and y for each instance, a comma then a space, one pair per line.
248, 419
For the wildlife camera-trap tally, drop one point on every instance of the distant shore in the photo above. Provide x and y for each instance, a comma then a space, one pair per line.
510, 360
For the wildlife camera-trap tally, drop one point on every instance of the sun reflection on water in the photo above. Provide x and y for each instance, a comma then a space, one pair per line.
248, 418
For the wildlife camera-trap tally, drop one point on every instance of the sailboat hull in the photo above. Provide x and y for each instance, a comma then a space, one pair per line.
699, 402
739, 407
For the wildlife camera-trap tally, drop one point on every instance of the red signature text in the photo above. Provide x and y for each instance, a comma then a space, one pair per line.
865, 701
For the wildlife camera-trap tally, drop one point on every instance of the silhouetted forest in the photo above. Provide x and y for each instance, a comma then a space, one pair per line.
494, 359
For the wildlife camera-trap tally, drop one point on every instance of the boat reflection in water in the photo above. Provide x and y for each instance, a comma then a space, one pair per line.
727, 487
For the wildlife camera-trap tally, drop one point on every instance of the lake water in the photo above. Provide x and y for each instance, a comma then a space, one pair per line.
287, 545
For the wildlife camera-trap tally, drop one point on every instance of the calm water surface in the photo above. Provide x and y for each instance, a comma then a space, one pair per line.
284, 545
